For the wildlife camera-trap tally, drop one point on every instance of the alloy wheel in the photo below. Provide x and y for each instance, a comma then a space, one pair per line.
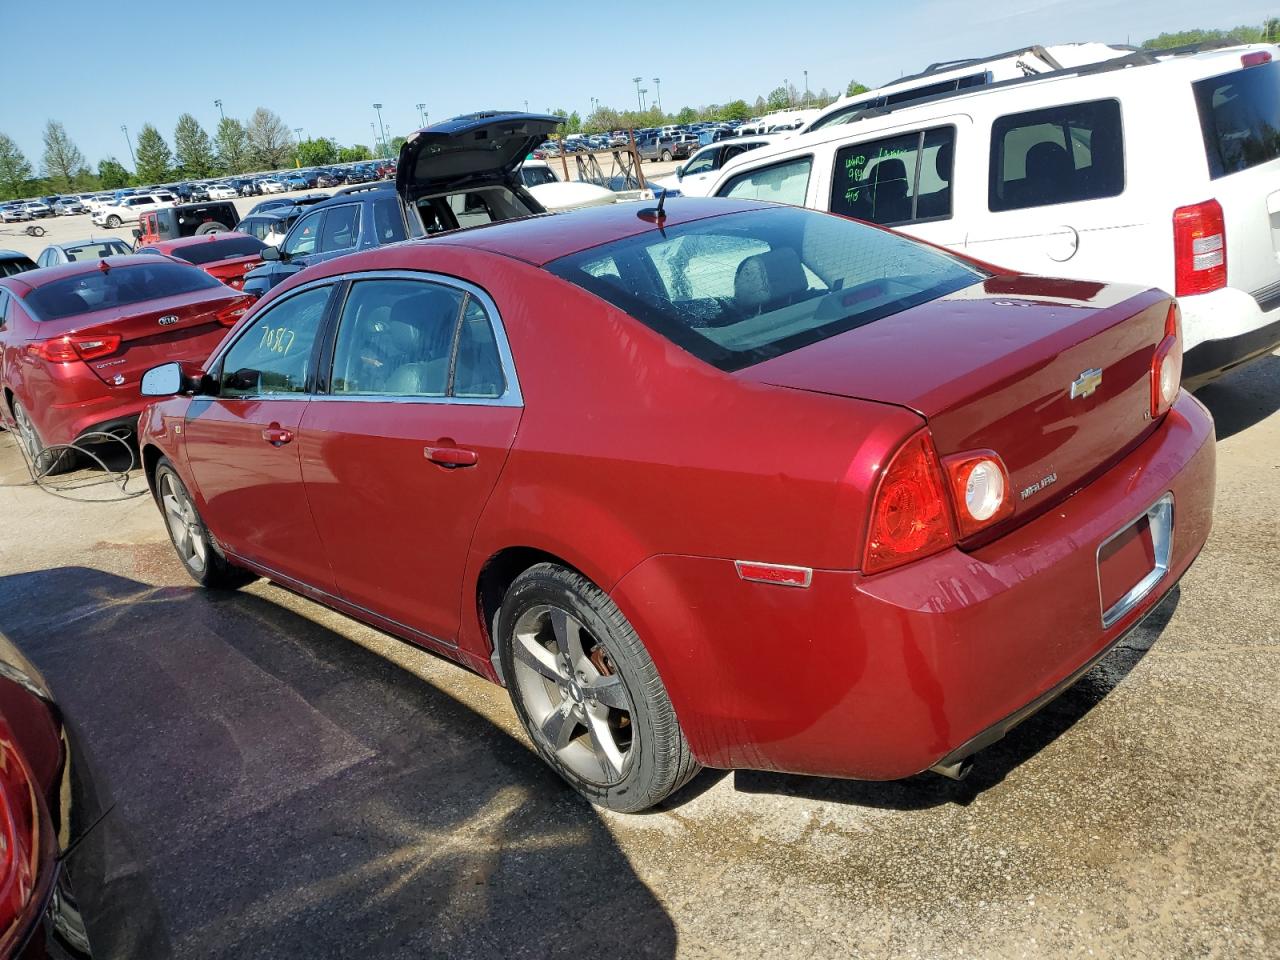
27, 434
577, 702
184, 524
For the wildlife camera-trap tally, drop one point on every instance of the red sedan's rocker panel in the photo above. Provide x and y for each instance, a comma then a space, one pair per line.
879, 678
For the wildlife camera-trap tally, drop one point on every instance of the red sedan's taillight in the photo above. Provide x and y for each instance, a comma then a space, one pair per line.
979, 490
19, 837
1199, 249
69, 348
230, 315
910, 518
1166, 365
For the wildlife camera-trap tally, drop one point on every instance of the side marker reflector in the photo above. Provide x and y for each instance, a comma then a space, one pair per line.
780, 574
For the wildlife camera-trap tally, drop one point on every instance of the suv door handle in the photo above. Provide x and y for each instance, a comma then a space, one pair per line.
451, 456
277, 435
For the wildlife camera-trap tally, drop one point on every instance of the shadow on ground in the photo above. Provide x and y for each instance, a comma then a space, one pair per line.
1243, 397
993, 764
296, 795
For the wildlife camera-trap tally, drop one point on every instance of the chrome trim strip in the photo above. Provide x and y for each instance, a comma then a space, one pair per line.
1160, 516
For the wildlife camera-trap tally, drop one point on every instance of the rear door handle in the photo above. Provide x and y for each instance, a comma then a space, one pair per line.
277, 435
451, 456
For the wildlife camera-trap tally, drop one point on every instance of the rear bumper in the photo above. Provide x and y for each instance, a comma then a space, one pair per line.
1210, 359
882, 677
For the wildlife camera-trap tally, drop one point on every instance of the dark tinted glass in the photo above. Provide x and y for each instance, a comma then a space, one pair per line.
339, 229
11, 265
117, 287
1058, 155
387, 222
902, 179
1240, 118
216, 250
736, 290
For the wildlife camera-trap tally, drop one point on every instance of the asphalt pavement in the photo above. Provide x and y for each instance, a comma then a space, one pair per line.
300, 785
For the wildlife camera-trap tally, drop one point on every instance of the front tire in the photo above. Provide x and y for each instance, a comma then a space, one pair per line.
114, 222
190, 537
588, 693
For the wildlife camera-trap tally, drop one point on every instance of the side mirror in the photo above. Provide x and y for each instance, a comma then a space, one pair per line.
162, 381
137, 234
680, 172
270, 253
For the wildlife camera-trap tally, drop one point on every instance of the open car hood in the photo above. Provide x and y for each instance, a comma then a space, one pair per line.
469, 150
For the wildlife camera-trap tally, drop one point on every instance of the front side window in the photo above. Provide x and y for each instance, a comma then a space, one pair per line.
302, 238
341, 228
1057, 155
897, 180
785, 182
735, 290
1240, 118
274, 353
703, 162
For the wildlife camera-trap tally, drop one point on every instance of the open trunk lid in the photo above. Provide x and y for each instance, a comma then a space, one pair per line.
992, 367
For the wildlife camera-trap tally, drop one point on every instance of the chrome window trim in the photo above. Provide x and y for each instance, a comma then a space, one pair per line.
512, 397
1160, 516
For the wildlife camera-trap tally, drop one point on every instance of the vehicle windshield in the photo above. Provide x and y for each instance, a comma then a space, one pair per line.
215, 250
96, 250
117, 287
738, 289
537, 176
1240, 118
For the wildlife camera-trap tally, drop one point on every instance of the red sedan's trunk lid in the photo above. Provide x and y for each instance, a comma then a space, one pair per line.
232, 271
992, 367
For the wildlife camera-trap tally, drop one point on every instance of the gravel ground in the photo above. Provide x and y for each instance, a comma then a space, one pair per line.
303, 786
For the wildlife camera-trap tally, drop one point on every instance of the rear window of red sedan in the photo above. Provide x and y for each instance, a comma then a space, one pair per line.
119, 286
215, 250
738, 289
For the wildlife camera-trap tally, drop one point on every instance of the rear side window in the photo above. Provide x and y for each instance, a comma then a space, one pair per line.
216, 250
117, 287
387, 222
786, 182
1240, 118
1057, 155
340, 229
903, 179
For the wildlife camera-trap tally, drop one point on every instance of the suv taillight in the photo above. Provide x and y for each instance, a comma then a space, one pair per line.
1199, 249
1166, 365
910, 517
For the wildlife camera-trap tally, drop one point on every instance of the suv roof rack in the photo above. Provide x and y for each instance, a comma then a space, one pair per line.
361, 187
945, 65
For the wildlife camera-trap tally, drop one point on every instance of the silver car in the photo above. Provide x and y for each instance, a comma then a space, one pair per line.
74, 251
14, 213
66, 206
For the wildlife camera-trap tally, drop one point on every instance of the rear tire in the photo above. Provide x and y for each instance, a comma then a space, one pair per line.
666, 156
588, 693
190, 537
45, 462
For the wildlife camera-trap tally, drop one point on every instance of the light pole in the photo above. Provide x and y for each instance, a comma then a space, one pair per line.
643, 91
636, 81
806, 88
372, 129
657, 91
218, 104
378, 107
526, 106
298, 132
422, 117
125, 130
786, 85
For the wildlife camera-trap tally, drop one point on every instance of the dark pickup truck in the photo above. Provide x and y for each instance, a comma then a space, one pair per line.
679, 147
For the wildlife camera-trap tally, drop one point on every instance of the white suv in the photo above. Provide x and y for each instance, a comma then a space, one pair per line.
129, 209
1154, 168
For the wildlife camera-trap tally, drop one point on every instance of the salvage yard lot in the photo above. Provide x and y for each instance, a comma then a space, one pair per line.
297, 783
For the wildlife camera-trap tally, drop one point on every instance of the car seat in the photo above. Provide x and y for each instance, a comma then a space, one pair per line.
767, 281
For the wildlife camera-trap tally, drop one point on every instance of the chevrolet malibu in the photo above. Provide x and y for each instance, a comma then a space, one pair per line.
725, 484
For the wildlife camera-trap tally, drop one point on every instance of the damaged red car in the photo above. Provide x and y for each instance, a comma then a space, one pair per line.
726, 483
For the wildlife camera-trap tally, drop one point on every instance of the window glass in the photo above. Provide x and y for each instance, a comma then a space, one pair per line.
785, 182
1058, 155
387, 222
738, 289
1240, 118
302, 239
395, 338
341, 228
272, 356
96, 250
214, 250
120, 287
703, 162
896, 180
478, 368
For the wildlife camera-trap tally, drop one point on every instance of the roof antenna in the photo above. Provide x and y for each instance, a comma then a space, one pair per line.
656, 214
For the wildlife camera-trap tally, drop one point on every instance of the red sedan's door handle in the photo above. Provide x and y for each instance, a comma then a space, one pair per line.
447, 455
277, 435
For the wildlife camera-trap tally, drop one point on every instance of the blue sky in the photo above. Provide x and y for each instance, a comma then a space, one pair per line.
321, 64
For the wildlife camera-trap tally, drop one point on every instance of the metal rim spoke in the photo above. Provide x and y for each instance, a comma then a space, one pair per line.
558, 727
610, 692
604, 746
532, 654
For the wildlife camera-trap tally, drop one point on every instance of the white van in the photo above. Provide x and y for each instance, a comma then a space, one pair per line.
1159, 169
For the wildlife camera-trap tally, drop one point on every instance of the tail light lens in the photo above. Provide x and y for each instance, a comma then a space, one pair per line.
1199, 249
230, 315
910, 518
74, 347
19, 835
1166, 365
980, 490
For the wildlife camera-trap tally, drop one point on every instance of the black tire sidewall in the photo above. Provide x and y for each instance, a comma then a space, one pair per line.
218, 573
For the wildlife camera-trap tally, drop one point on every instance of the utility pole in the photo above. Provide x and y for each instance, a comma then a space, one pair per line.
657, 91
786, 85
378, 107
636, 81
372, 129
643, 91
125, 130
422, 117
806, 88
218, 104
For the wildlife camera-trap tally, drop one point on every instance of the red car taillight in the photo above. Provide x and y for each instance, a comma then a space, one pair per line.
1166, 365
19, 836
69, 348
1199, 249
230, 315
979, 490
910, 518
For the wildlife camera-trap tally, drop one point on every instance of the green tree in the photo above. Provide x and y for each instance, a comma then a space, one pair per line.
318, 151
396, 144
193, 148
15, 170
354, 153
686, 115
155, 160
779, 99
855, 88
1241, 34
735, 110
270, 141
1271, 30
62, 158
232, 145
111, 174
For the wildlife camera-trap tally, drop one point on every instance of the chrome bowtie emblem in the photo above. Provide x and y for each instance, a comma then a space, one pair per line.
168, 320
1086, 383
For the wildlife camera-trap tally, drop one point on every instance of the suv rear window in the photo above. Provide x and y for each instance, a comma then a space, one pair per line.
1057, 155
1240, 118
117, 287
735, 290
216, 250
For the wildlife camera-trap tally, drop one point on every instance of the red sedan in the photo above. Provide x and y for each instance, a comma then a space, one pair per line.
225, 256
76, 339
739, 485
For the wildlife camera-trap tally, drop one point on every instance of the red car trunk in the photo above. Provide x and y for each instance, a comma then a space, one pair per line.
232, 271
997, 364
